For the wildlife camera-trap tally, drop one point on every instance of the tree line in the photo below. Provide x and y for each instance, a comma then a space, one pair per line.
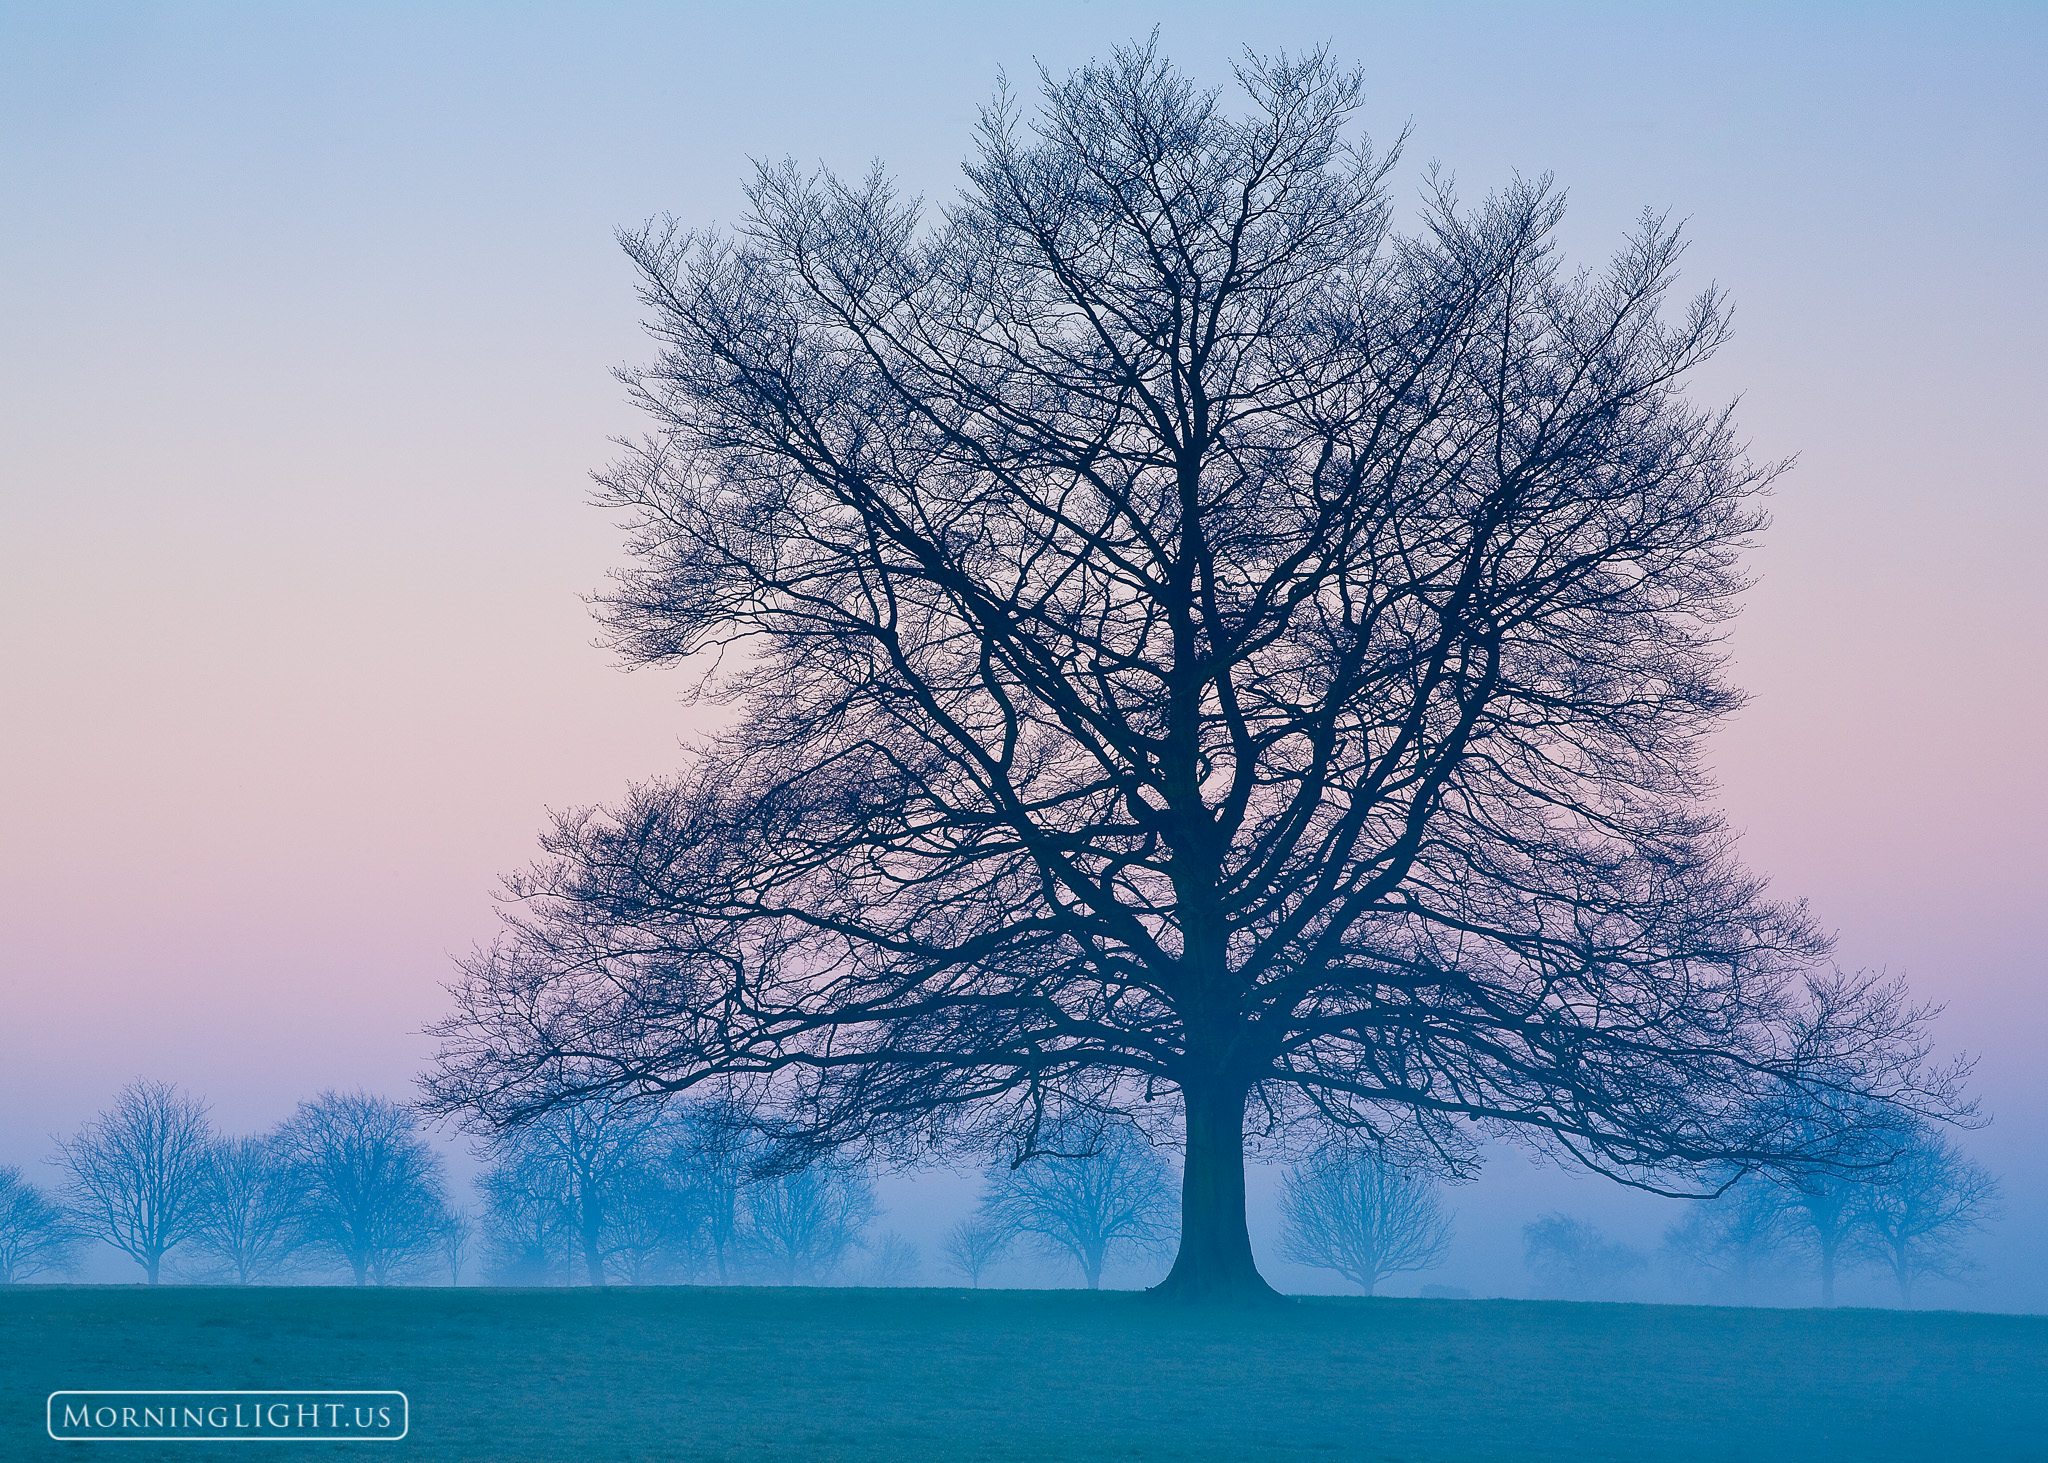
605, 1193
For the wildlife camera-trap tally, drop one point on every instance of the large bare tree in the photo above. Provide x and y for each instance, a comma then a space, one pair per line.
1195, 651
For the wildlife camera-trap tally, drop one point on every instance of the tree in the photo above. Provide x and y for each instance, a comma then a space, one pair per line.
1113, 1196
1740, 1237
600, 1149
374, 1197
456, 1235
526, 1227
250, 1210
798, 1226
1194, 653
1359, 1216
1572, 1259
36, 1236
974, 1244
1914, 1218
716, 1154
138, 1172
896, 1262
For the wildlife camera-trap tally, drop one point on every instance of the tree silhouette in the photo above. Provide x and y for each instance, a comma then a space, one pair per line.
1357, 1215
975, 1243
138, 1172
1195, 653
36, 1236
1913, 1218
251, 1217
374, 1197
1114, 1195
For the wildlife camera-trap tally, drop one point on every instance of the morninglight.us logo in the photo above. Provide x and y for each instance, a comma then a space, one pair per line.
229, 1417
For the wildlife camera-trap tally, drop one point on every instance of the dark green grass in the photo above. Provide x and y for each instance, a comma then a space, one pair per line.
860, 1374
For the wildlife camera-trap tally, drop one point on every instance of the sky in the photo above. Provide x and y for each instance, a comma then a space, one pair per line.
308, 316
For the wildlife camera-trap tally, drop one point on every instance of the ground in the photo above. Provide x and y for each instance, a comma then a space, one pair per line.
560, 1376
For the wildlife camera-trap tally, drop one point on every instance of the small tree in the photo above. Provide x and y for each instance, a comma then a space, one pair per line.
36, 1236
375, 1200
1365, 1220
456, 1235
974, 1244
251, 1211
1573, 1259
1740, 1238
798, 1226
1092, 1205
138, 1172
897, 1261
1914, 1221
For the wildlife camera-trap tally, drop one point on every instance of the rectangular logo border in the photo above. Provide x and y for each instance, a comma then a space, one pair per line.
50, 1410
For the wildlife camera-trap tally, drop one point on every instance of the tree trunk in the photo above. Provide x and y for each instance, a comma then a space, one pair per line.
151, 1266
1827, 1272
361, 1266
1215, 1260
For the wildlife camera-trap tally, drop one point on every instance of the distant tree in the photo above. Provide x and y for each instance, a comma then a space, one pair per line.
374, 1196
137, 1172
1914, 1219
252, 1216
716, 1152
525, 1228
1740, 1239
896, 1262
601, 1148
1092, 1205
1357, 1215
36, 1236
1824, 1215
655, 1225
974, 1244
798, 1227
1187, 639
1572, 1259
456, 1236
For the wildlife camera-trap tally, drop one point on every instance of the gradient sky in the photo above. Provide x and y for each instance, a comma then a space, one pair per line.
306, 319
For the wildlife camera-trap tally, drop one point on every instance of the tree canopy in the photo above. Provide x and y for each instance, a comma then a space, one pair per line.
1193, 650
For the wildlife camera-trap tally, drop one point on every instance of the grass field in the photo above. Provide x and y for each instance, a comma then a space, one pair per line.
912, 1374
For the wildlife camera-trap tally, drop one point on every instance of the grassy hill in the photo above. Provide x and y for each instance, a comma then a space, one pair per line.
669, 1374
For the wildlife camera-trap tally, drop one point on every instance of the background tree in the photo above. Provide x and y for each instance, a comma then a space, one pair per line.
250, 1213
600, 1149
525, 1228
374, 1196
1090, 1206
975, 1243
715, 1154
1914, 1218
456, 1236
36, 1236
1359, 1216
897, 1261
1572, 1259
1187, 642
798, 1227
1739, 1238
138, 1172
